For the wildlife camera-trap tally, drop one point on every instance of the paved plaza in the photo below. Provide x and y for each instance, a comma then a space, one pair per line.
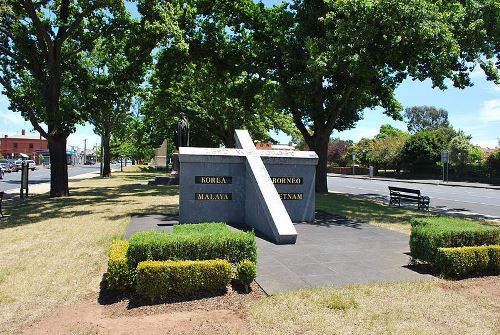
332, 251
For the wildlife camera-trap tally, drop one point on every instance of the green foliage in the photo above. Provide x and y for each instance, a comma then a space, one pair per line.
246, 271
120, 275
132, 141
422, 151
42, 67
420, 118
201, 228
468, 260
387, 152
493, 162
156, 279
386, 131
215, 80
221, 244
329, 76
117, 68
429, 234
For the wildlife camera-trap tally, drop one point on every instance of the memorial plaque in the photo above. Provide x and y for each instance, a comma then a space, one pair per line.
213, 180
235, 186
291, 196
213, 196
287, 180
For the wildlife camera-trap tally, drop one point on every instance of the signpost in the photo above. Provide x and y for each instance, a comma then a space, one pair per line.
24, 179
353, 162
445, 159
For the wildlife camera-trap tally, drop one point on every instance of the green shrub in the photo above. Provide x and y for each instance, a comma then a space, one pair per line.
202, 228
429, 234
467, 260
494, 254
230, 245
246, 273
158, 279
120, 276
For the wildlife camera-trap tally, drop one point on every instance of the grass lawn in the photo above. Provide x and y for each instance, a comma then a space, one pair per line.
53, 256
362, 210
53, 251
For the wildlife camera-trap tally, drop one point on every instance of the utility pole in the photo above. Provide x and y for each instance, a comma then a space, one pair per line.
84, 151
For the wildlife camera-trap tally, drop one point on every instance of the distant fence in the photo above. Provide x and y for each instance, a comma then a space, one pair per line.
348, 170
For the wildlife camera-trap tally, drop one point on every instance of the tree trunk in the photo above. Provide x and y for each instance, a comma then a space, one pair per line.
58, 166
319, 144
106, 156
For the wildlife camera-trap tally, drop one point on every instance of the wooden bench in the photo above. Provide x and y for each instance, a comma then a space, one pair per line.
409, 195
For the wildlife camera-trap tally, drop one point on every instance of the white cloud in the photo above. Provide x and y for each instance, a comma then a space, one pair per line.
357, 133
11, 118
491, 111
486, 144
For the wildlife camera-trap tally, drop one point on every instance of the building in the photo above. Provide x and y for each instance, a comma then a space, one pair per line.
16, 146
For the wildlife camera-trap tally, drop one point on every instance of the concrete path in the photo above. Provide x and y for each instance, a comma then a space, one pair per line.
331, 252
334, 252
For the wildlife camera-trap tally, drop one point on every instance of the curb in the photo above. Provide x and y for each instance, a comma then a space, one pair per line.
413, 181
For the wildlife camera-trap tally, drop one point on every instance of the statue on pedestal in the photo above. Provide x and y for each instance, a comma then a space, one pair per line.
182, 132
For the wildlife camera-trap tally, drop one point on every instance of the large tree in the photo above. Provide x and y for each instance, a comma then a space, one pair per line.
41, 43
214, 80
421, 118
117, 67
334, 59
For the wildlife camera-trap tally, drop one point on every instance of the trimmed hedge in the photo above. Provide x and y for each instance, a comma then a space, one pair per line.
230, 245
202, 228
156, 279
468, 260
429, 234
246, 273
120, 275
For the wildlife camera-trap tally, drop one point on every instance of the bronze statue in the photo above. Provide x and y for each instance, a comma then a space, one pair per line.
182, 132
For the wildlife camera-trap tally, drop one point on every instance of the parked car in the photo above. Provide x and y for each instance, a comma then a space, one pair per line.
31, 164
5, 167
12, 165
17, 165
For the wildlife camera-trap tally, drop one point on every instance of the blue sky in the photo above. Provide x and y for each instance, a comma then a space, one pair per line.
475, 110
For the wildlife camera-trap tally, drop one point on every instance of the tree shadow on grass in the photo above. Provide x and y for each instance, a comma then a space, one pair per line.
40, 207
358, 209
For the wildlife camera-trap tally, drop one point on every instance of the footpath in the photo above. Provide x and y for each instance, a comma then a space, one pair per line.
420, 181
45, 187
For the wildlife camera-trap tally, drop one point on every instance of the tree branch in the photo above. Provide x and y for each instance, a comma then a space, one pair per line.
76, 23
6, 31
12, 55
332, 117
27, 111
40, 29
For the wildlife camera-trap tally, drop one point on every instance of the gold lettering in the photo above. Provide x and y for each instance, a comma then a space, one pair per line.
291, 196
213, 196
287, 180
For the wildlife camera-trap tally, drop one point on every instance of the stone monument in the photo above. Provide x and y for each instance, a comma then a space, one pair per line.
264, 189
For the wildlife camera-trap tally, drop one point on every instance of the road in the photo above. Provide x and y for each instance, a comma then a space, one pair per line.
460, 200
41, 175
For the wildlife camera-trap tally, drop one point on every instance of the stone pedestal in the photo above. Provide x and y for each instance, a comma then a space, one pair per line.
175, 164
